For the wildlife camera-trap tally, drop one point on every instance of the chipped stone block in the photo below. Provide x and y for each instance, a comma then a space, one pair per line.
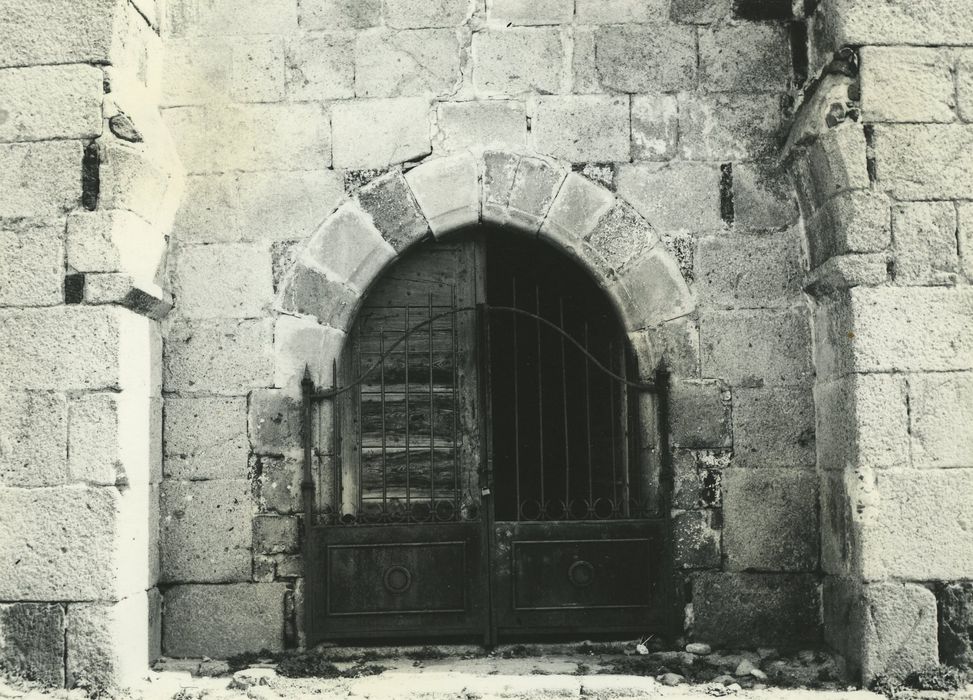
515, 12
578, 207
752, 610
645, 58
390, 63
31, 264
223, 138
696, 539
206, 438
48, 102
349, 247
340, 14
619, 11
220, 621
321, 66
376, 133
447, 190
907, 84
756, 347
941, 410
700, 414
416, 14
729, 127
748, 56
770, 519
924, 161
206, 531
496, 123
749, 271
762, 197
519, 60
774, 427
39, 179
308, 291
924, 243
916, 526
394, 212
673, 196
655, 127
582, 128
32, 637
218, 356
223, 280
273, 534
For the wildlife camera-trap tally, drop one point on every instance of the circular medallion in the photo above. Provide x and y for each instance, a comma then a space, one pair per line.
397, 579
581, 574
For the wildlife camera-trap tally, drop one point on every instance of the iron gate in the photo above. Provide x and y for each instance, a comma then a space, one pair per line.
407, 542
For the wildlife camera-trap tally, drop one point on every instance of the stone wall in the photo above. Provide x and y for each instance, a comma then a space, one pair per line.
281, 113
881, 157
88, 187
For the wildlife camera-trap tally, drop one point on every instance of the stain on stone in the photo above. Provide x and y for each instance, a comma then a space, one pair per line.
761, 10
74, 288
90, 177
726, 193
124, 128
799, 51
955, 604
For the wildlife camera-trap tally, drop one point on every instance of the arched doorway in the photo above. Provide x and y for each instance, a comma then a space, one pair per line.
489, 474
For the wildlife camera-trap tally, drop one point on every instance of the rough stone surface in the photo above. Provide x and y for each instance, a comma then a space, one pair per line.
205, 533
242, 287
729, 126
104, 648
899, 22
773, 427
925, 161
762, 197
619, 11
32, 637
907, 84
751, 610
47, 102
955, 604
749, 272
33, 439
519, 60
700, 415
407, 14
900, 630
582, 127
227, 357
31, 264
576, 210
321, 66
278, 483
299, 344
220, 621
749, 56
514, 12
276, 535
349, 247
376, 133
673, 196
498, 123
940, 408
646, 58
39, 179
858, 222
770, 519
405, 63
655, 127
274, 422
206, 438
696, 539
340, 14
447, 191
924, 242
750, 348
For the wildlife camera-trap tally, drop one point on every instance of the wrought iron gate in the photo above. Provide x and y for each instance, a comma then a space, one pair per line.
408, 542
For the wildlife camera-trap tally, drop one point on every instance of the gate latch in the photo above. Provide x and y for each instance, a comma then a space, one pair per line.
485, 491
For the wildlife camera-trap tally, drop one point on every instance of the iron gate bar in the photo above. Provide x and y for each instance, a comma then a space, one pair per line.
540, 399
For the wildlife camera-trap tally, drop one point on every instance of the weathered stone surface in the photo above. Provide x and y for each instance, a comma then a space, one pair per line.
700, 414
47, 102
39, 179
729, 126
107, 643
770, 519
300, 343
582, 128
33, 438
696, 539
749, 271
109, 439
699, 11
924, 242
349, 247
231, 280
340, 14
578, 207
309, 291
78, 33
645, 58
222, 138
519, 191
221, 357
391, 63
899, 629
751, 610
907, 84
955, 604
273, 534
697, 477
749, 56
115, 240
752, 348
774, 427
277, 205
196, 71
858, 222
838, 162
651, 291
762, 197
619, 11
274, 422
897, 22
965, 238
224, 17
964, 84
515, 12
321, 66
622, 236
583, 63
220, 621
447, 191
940, 409
389, 201
674, 344
259, 72
933, 161
32, 637
673, 196
518, 60
278, 483
376, 133
916, 526
498, 123
205, 533
31, 264
206, 438
655, 127
407, 14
